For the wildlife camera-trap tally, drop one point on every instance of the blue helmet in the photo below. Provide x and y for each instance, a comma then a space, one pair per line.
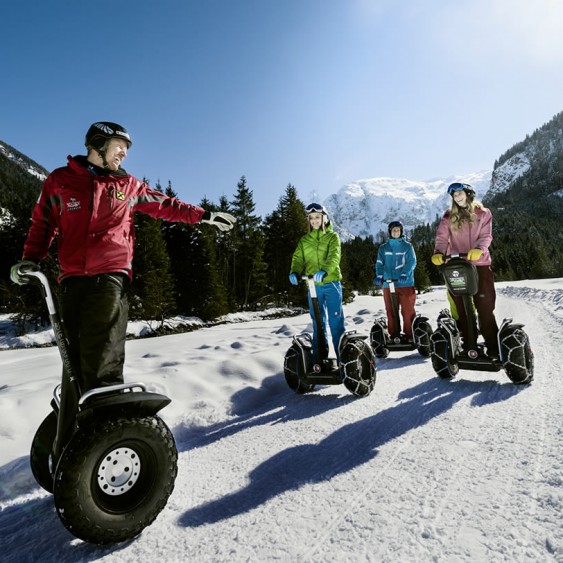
458, 186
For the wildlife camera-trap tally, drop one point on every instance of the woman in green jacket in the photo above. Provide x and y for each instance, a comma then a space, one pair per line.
318, 255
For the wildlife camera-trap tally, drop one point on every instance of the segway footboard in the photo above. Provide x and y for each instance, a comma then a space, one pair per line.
124, 399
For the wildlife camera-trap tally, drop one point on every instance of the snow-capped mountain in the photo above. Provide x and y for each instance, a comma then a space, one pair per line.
23, 161
534, 164
504, 175
365, 207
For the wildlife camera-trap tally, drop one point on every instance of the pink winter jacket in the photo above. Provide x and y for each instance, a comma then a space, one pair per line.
93, 218
478, 234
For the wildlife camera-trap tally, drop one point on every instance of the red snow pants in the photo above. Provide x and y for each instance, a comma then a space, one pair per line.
406, 299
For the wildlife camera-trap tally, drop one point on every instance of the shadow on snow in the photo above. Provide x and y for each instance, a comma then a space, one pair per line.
357, 443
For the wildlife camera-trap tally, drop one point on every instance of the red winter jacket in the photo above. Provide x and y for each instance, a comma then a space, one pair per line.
93, 217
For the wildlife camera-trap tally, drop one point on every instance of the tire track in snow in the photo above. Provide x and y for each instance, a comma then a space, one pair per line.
477, 473
352, 506
522, 443
437, 396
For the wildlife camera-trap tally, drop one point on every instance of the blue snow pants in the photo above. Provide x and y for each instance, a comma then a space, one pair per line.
329, 296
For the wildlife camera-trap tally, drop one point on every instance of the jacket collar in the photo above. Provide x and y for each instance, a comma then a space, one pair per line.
396, 241
82, 165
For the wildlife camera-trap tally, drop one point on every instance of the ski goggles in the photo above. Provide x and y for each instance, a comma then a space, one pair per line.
457, 187
314, 208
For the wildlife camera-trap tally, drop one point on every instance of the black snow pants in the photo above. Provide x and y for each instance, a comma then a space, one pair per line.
94, 310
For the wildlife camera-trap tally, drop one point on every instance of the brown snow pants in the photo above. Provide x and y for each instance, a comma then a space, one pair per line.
484, 301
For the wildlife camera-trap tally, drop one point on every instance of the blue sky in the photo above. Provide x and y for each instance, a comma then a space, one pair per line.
316, 93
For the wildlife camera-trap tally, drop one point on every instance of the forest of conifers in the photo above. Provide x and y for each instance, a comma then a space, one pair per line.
196, 271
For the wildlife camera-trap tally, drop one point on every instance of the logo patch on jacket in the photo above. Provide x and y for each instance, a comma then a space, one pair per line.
73, 204
120, 195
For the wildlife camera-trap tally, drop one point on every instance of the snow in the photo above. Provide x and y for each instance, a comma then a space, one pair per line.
421, 470
505, 175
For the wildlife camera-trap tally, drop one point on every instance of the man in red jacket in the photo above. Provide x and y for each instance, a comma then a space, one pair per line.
90, 205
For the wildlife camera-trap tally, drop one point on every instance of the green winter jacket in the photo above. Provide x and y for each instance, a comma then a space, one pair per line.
318, 250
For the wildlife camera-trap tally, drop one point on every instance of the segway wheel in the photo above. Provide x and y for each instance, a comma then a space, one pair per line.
422, 337
517, 356
294, 369
40, 454
442, 359
358, 367
377, 341
115, 477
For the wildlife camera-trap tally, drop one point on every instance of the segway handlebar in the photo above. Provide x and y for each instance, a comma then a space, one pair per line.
457, 255
35, 275
310, 284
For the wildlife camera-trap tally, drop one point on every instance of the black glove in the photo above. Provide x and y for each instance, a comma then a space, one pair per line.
223, 221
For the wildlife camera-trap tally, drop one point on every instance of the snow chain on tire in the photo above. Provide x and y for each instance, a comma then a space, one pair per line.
377, 338
442, 362
517, 355
422, 334
358, 368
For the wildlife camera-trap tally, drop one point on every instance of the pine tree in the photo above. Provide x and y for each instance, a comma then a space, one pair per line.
248, 268
283, 228
153, 287
198, 288
358, 263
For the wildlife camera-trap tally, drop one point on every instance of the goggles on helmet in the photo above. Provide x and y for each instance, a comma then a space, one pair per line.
457, 187
315, 208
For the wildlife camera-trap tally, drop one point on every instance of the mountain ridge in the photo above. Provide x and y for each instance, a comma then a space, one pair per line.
365, 207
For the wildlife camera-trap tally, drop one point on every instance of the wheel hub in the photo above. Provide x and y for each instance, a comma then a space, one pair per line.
118, 471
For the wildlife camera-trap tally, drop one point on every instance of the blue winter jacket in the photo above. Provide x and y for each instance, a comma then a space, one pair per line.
396, 257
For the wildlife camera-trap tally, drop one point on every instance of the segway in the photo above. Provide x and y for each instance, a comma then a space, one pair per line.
304, 369
106, 456
448, 355
381, 341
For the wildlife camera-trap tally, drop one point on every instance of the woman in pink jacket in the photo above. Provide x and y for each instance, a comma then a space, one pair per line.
466, 228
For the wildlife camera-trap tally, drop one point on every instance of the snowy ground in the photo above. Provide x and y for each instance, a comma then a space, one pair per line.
421, 470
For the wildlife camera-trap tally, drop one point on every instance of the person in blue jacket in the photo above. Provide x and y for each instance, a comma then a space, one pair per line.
396, 260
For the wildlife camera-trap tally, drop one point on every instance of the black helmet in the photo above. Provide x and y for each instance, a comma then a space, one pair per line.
458, 186
101, 131
395, 224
